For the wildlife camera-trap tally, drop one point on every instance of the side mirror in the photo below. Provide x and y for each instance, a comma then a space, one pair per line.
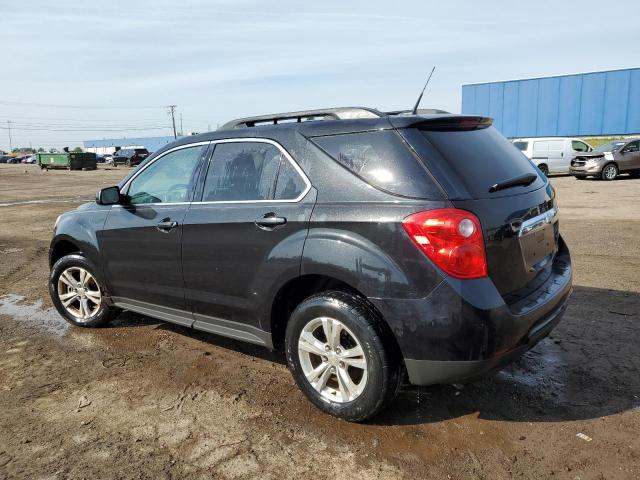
108, 196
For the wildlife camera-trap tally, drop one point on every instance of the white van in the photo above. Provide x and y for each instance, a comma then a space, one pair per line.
552, 154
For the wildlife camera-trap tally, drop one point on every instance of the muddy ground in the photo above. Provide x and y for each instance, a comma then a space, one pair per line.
146, 399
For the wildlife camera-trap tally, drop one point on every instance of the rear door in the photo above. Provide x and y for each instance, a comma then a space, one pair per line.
141, 239
245, 234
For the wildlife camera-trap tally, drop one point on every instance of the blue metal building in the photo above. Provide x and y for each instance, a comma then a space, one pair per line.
598, 103
150, 143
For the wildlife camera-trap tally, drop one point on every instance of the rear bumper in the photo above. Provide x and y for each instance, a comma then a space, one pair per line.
430, 372
464, 328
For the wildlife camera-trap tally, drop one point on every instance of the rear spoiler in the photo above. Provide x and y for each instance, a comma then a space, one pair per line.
442, 123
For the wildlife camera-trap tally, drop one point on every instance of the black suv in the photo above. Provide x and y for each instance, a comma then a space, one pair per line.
130, 157
371, 247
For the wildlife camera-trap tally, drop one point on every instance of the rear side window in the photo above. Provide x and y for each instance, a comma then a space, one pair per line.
383, 160
467, 163
522, 146
290, 184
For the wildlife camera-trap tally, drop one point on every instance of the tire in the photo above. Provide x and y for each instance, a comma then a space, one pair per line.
609, 172
378, 365
67, 269
544, 169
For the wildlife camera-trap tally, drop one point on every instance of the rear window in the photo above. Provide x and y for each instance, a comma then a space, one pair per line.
467, 163
142, 151
382, 159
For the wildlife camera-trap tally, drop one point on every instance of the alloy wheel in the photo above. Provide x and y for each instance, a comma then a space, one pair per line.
332, 359
79, 293
610, 172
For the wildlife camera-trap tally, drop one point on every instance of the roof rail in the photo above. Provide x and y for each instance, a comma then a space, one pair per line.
340, 113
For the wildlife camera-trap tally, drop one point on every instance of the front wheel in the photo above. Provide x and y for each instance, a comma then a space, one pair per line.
337, 357
78, 294
610, 172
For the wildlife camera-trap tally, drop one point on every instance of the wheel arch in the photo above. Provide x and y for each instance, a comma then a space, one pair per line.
296, 290
61, 247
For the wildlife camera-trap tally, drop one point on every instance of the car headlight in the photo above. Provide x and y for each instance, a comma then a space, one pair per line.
608, 156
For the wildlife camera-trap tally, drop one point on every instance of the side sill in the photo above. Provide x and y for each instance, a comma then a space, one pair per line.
218, 326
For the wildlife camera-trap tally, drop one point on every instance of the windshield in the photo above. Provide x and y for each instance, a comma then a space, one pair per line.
609, 147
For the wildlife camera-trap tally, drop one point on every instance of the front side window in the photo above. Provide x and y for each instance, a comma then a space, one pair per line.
167, 180
632, 147
579, 146
242, 171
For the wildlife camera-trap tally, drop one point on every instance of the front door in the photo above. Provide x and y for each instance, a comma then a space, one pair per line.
244, 236
629, 157
142, 237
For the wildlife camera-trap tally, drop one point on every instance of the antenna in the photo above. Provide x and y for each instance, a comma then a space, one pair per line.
415, 108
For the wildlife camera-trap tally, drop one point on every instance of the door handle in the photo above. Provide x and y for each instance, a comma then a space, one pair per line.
166, 224
270, 221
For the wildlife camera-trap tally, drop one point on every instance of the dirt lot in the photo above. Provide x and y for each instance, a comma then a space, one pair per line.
145, 399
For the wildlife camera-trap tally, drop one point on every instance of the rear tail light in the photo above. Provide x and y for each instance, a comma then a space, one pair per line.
452, 239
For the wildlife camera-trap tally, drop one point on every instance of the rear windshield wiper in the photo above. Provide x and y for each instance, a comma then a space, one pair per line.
524, 180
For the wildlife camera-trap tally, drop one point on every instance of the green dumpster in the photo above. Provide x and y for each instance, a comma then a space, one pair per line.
69, 161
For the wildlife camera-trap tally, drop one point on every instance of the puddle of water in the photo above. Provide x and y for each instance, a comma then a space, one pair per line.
47, 319
46, 200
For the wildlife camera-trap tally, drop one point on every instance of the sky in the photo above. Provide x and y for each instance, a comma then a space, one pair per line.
73, 71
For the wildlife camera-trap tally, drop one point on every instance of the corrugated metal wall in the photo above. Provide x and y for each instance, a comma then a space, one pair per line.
600, 103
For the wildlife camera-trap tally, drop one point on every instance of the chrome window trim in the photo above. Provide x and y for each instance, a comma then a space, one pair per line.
286, 154
290, 159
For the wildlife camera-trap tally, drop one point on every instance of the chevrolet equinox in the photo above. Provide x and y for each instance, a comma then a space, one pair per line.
371, 247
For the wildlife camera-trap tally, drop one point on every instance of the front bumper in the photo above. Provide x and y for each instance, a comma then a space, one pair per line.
585, 169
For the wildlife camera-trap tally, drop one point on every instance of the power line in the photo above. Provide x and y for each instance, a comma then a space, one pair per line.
81, 107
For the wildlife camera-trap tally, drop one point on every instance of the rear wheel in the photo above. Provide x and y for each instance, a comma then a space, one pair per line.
337, 357
77, 292
609, 172
544, 169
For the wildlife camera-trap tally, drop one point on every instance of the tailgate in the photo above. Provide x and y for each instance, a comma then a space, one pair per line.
521, 238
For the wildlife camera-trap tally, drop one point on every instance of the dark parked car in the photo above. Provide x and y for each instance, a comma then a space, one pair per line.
130, 157
5, 158
608, 161
371, 247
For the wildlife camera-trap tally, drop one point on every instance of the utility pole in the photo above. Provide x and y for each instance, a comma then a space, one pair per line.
181, 129
172, 112
10, 142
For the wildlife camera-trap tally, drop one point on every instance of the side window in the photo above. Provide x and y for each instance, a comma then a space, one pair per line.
242, 171
632, 147
167, 180
579, 146
290, 184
